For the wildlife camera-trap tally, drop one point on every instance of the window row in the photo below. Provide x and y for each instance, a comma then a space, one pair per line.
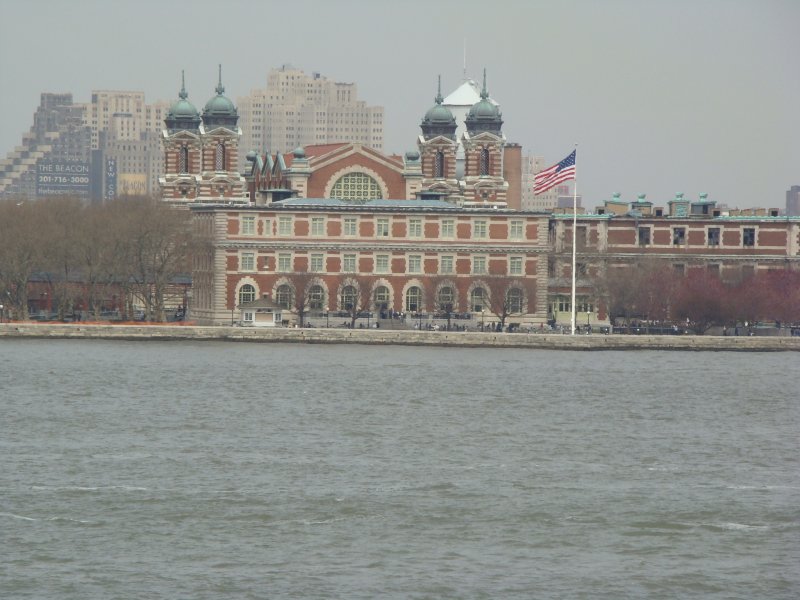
445, 300
382, 263
317, 227
713, 236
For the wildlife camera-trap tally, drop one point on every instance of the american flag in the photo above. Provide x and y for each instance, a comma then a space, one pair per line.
551, 177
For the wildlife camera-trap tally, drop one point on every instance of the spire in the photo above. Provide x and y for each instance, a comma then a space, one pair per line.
183, 95
484, 93
439, 98
220, 89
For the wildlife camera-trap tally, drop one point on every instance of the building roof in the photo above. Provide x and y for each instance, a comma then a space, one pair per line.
467, 94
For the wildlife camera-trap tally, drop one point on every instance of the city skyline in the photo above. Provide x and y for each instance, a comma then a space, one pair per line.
660, 98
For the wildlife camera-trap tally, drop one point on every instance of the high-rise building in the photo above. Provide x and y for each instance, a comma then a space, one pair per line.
54, 156
793, 201
297, 110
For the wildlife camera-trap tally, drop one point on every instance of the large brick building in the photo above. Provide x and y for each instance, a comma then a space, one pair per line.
420, 256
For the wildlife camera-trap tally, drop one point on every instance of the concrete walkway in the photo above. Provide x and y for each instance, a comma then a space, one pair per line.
403, 337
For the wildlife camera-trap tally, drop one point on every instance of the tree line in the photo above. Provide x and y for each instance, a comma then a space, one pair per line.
654, 291
84, 255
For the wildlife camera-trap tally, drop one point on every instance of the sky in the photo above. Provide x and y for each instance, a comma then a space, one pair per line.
691, 96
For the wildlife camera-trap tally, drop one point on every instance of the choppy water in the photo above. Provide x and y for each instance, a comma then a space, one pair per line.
224, 470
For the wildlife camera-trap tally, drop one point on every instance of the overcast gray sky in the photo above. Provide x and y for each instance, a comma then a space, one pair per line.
661, 97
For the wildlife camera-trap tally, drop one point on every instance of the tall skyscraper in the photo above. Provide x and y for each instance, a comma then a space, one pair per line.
793, 201
297, 109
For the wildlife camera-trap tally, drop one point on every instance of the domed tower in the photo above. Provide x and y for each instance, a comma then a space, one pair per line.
437, 147
182, 115
484, 145
182, 150
220, 111
219, 134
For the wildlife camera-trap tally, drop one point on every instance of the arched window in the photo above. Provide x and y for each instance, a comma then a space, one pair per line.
477, 299
247, 293
484, 161
316, 297
219, 162
439, 165
356, 188
183, 160
283, 296
414, 299
349, 298
514, 300
445, 299
381, 297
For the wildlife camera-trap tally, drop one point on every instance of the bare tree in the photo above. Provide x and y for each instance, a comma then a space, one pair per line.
355, 295
507, 296
20, 252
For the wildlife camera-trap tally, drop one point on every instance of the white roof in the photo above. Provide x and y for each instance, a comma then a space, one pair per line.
467, 94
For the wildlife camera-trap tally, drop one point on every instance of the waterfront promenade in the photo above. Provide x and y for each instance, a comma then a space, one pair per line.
399, 337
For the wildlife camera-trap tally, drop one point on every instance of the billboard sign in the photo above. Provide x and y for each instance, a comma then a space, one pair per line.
111, 179
62, 178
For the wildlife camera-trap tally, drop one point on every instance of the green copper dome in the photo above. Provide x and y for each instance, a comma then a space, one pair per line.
182, 114
438, 120
484, 115
219, 110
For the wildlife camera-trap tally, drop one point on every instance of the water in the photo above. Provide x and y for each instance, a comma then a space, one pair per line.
237, 470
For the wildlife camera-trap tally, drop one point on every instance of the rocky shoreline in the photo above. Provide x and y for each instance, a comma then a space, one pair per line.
399, 337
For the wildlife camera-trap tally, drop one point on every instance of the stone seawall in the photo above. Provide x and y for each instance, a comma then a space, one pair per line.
403, 337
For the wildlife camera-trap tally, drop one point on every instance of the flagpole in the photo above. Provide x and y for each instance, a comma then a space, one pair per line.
574, 237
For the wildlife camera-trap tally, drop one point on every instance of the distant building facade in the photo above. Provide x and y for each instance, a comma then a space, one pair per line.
296, 109
793, 201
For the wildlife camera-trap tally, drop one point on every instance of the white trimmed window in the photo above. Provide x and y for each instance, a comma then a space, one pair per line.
349, 263
382, 228
285, 225
447, 228
247, 261
446, 264
516, 229
350, 226
284, 262
248, 225
317, 263
515, 265
318, 226
382, 263
478, 265
415, 228
414, 263
479, 229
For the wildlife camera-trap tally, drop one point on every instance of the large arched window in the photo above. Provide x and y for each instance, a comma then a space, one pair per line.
414, 299
316, 297
439, 165
477, 299
381, 297
283, 296
484, 161
356, 188
219, 159
445, 299
183, 160
349, 298
247, 293
514, 300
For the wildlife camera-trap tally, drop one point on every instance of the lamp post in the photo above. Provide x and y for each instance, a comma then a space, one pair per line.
2, 312
482, 325
587, 321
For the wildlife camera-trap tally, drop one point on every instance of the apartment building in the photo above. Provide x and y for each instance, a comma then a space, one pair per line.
297, 109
